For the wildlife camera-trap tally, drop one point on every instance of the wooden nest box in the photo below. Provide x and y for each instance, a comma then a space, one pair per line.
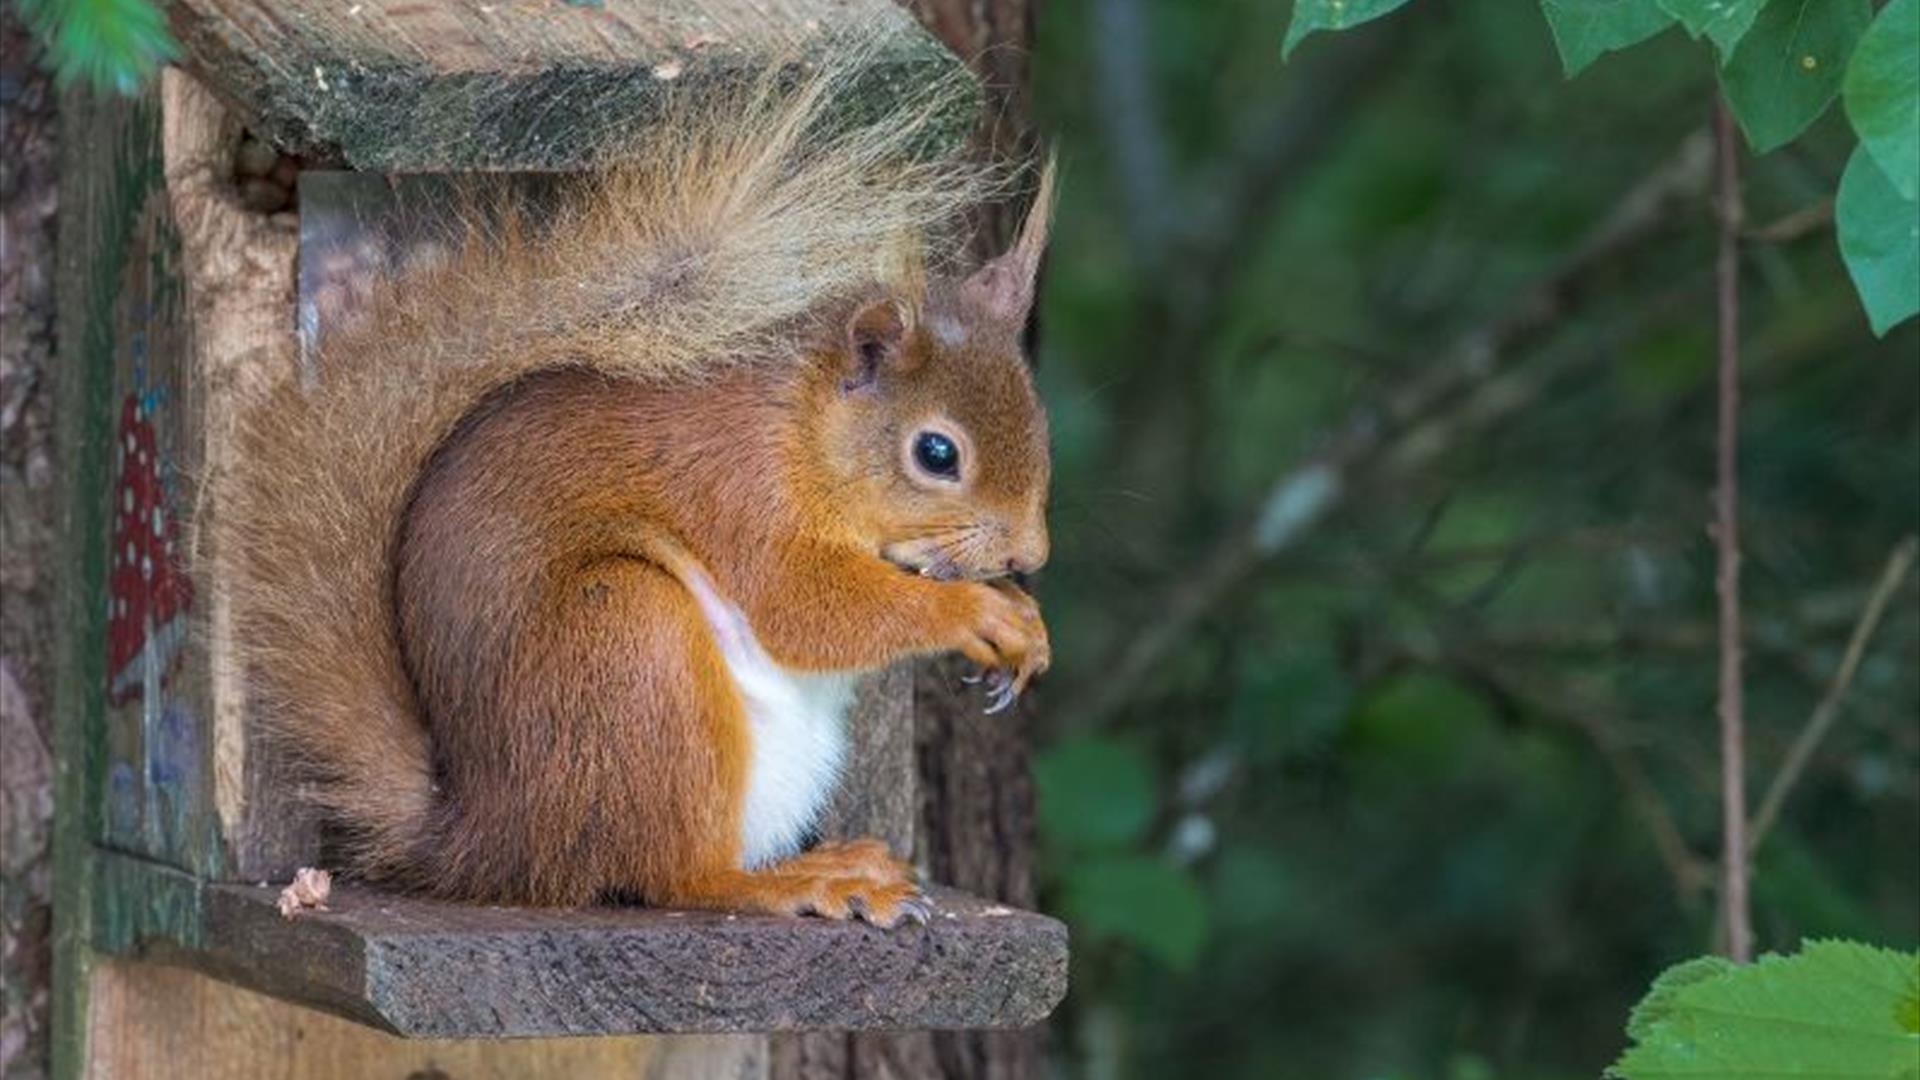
208, 228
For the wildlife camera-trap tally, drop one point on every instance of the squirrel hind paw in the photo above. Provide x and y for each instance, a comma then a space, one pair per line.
882, 908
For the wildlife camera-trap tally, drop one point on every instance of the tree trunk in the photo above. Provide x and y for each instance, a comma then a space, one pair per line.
975, 829
28, 184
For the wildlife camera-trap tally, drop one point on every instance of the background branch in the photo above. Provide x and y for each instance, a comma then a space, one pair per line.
1726, 534
1828, 710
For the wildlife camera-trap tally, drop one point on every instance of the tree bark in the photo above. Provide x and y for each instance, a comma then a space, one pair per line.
976, 799
29, 176
975, 828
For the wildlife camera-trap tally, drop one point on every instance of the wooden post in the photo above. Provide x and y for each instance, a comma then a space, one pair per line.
973, 824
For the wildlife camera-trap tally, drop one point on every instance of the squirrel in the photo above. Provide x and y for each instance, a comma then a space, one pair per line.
557, 576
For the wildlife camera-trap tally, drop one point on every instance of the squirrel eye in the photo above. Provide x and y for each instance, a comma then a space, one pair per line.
936, 454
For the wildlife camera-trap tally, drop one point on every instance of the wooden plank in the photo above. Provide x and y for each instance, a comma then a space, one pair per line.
108, 165
436, 970
238, 270
445, 85
166, 1022
425, 969
156, 784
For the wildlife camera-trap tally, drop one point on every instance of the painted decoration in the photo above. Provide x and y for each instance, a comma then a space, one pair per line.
148, 591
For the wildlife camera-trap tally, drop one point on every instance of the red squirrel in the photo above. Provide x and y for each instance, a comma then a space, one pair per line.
558, 575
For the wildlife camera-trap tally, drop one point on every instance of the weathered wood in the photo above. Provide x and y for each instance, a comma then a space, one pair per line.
238, 270
974, 804
164, 1022
444, 85
79, 586
976, 828
436, 970
878, 796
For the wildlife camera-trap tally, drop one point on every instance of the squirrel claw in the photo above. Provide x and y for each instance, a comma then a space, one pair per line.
916, 909
1001, 691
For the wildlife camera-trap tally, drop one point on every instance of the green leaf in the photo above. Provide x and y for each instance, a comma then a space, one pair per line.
1832, 1010
1883, 93
106, 44
1724, 22
1312, 15
1880, 241
1094, 793
1143, 901
1788, 68
1584, 29
1658, 1006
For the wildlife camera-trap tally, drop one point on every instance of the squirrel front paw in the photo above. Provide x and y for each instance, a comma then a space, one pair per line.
1007, 638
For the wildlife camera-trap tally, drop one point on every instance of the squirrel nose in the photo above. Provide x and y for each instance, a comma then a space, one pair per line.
1030, 556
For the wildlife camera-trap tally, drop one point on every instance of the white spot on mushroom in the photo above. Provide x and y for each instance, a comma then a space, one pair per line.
130, 446
157, 529
146, 567
126, 499
130, 553
121, 604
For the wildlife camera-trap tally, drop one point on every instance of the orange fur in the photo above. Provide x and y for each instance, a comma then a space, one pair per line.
459, 562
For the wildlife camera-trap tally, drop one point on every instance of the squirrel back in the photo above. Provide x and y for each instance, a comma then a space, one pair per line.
735, 218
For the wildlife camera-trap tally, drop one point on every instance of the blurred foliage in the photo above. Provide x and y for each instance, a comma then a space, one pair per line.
106, 44
1431, 791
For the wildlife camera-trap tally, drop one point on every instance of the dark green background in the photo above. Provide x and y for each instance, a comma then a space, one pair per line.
1359, 822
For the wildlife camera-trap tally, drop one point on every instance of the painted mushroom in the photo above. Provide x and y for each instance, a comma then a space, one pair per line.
148, 595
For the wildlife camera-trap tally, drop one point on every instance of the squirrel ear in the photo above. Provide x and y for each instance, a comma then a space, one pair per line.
1004, 286
876, 335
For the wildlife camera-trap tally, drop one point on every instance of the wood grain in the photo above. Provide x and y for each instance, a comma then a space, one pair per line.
445, 85
163, 1022
425, 969
239, 275
878, 794
428, 969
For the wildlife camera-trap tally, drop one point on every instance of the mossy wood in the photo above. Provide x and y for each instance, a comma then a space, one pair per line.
547, 85
178, 307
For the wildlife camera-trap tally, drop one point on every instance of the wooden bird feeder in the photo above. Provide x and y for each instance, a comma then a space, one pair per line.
195, 261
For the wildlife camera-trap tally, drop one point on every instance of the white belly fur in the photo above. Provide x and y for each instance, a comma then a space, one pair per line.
796, 724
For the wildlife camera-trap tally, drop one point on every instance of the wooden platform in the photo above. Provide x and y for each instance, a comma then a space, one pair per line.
436, 970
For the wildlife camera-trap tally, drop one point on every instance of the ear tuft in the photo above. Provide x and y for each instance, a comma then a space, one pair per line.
876, 335
1004, 286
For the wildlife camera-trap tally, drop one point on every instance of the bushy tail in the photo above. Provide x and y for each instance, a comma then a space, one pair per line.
735, 214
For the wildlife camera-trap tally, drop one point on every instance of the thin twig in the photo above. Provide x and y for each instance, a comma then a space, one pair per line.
1792, 226
1828, 710
1726, 535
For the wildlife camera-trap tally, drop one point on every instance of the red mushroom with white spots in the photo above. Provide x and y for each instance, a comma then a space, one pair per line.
148, 595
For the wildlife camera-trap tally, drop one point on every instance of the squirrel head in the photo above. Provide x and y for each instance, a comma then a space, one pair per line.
934, 437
